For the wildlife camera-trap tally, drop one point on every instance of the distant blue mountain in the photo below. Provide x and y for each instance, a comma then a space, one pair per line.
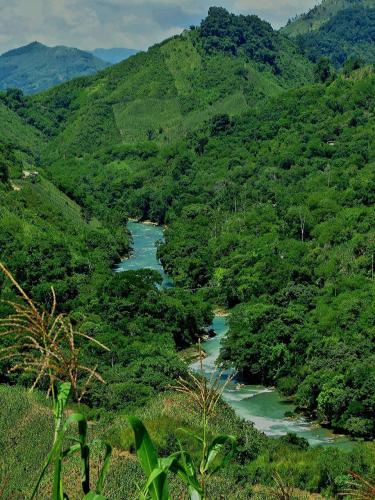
114, 55
36, 67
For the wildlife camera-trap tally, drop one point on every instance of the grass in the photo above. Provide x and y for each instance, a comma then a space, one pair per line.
44, 195
164, 119
26, 434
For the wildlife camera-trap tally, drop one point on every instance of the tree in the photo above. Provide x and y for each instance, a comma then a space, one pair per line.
4, 170
323, 71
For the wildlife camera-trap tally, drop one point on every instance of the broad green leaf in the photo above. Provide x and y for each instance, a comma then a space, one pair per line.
94, 496
218, 446
69, 451
147, 456
63, 395
184, 467
157, 477
145, 449
57, 487
191, 434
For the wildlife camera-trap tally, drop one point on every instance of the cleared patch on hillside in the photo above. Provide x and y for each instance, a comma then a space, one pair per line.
162, 120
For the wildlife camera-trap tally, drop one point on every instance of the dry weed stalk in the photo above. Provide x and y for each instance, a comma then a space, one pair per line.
44, 343
281, 490
203, 392
359, 488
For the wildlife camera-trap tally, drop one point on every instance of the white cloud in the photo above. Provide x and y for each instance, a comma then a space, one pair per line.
128, 23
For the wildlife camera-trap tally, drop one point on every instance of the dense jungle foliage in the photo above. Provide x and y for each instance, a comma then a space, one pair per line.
320, 14
271, 214
47, 240
351, 33
265, 181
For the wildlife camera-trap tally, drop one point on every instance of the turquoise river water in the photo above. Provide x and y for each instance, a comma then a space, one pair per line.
261, 405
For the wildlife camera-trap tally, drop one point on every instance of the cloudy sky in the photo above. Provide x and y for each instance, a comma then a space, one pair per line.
89, 24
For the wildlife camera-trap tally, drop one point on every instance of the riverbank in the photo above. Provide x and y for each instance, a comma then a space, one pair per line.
263, 406
146, 222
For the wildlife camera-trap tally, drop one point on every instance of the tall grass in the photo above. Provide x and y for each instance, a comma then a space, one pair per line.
45, 344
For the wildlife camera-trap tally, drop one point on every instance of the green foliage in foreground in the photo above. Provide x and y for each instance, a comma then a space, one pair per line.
58, 452
26, 437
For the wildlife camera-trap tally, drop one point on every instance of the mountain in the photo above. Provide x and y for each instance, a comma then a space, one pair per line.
264, 182
226, 65
338, 30
36, 67
316, 17
115, 55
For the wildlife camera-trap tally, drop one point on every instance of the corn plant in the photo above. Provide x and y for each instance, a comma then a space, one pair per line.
156, 469
57, 454
45, 343
205, 395
281, 490
214, 455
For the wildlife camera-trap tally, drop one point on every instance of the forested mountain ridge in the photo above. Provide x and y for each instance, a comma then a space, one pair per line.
36, 67
224, 66
323, 12
337, 30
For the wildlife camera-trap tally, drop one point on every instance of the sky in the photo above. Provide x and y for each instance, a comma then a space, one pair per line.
89, 24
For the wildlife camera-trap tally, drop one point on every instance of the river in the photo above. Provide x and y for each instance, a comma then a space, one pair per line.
261, 405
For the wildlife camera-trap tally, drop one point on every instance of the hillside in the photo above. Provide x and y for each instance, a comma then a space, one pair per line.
348, 34
114, 55
36, 67
167, 92
165, 416
15, 131
337, 29
323, 12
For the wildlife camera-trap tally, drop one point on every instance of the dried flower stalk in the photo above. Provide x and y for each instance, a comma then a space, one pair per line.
45, 343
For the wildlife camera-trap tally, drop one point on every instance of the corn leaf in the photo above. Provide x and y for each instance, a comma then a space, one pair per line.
104, 469
94, 496
218, 446
148, 458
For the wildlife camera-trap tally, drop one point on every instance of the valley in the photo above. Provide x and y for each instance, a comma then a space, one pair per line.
228, 168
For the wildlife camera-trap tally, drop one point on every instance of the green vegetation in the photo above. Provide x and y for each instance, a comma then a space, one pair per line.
167, 92
35, 67
337, 29
305, 473
272, 214
275, 218
323, 12
265, 182
351, 33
